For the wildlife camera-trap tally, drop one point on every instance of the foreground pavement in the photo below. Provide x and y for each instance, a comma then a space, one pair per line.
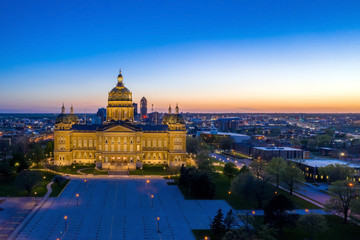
120, 209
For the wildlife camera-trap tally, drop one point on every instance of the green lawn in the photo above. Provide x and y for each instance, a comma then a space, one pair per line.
239, 202
57, 189
336, 230
71, 169
200, 234
222, 188
7, 188
94, 171
219, 168
154, 170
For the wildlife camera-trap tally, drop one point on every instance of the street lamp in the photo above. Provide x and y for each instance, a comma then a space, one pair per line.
152, 201
158, 224
77, 200
351, 184
85, 181
35, 197
65, 218
147, 183
253, 212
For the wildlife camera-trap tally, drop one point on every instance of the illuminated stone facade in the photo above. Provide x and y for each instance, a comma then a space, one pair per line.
120, 143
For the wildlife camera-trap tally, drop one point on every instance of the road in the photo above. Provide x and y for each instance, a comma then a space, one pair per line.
238, 162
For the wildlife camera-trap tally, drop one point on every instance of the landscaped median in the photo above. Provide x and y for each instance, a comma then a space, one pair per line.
18, 186
223, 192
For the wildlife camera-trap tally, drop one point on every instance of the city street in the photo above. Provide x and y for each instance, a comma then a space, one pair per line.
238, 162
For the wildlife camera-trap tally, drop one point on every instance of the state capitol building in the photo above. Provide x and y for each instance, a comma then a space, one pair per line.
120, 143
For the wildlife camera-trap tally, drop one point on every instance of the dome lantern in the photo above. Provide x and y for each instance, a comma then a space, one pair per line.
63, 109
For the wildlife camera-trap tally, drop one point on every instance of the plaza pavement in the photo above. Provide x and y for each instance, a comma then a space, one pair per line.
15, 210
120, 209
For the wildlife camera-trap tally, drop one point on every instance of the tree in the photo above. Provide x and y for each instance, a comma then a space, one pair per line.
217, 226
257, 167
36, 154
244, 169
203, 162
312, 224
27, 180
230, 170
58, 179
191, 145
344, 193
5, 169
251, 187
49, 149
19, 162
275, 168
266, 232
197, 184
229, 220
276, 211
336, 172
292, 176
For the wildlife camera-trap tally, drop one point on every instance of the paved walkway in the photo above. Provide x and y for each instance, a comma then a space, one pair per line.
28, 216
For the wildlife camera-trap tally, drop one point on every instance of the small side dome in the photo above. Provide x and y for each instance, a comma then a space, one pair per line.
173, 119
67, 118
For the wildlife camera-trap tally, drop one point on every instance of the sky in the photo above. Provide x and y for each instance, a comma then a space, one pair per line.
207, 56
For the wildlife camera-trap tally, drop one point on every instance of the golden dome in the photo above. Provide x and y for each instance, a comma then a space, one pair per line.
173, 118
120, 92
67, 118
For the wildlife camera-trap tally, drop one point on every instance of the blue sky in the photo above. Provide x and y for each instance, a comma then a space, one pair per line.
209, 56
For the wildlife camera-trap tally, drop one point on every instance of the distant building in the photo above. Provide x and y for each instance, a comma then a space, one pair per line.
268, 153
135, 109
154, 117
102, 114
311, 167
143, 108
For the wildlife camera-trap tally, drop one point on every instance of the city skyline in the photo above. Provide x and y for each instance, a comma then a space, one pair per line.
214, 57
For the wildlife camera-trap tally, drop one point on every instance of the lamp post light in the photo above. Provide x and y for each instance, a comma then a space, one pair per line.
158, 224
152, 201
147, 184
65, 218
77, 200
85, 181
35, 197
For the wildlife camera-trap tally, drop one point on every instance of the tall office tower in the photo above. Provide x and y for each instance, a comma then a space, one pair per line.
102, 114
143, 108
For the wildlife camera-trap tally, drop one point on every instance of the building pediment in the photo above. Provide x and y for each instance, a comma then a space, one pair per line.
119, 128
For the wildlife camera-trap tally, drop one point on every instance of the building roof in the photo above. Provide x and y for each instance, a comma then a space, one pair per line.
82, 127
278, 149
324, 162
149, 127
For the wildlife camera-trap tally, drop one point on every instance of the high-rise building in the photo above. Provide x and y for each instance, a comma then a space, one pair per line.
102, 114
143, 108
135, 108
